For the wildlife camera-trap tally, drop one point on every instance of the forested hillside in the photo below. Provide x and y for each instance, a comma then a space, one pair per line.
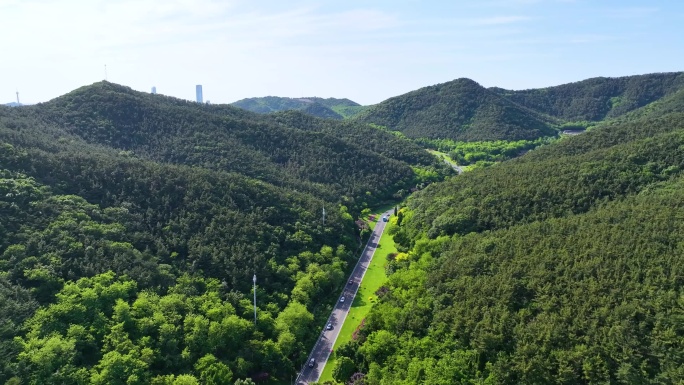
223, 138
132, 225
597, 98
463, 110
563, 266
330, 108
460, 110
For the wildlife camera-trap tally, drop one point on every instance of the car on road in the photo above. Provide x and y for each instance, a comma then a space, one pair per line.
351, 281
329, 326
312, 362
385, 218
342, 299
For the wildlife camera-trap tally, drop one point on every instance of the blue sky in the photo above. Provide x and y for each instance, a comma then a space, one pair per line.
367, 50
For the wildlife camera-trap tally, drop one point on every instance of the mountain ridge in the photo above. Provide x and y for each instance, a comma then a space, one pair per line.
464, 110
330, 108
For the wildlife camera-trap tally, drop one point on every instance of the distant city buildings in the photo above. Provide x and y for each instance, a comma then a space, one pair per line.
198, 93
154, 90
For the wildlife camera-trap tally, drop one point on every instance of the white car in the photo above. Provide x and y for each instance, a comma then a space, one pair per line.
342, 299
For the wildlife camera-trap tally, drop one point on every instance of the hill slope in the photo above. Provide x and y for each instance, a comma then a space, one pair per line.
330, 108
458, 110
465, 111
223, 138
562, 266
132, 225
597, 99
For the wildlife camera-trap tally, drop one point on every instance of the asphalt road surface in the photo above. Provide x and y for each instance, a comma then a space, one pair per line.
321, 351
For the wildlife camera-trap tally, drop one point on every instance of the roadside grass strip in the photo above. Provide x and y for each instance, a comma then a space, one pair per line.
365, 298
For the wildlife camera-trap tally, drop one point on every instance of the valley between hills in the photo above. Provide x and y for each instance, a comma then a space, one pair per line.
132, 226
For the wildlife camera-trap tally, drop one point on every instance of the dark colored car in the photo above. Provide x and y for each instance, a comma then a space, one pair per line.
329, 326
342, 300
312, 362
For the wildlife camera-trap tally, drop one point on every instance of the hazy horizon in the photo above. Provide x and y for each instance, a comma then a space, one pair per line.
360, 51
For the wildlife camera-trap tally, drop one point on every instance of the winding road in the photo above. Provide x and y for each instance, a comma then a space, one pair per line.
326, 340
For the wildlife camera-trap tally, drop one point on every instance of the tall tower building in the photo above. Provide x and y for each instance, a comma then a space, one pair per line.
198, 92
154, 90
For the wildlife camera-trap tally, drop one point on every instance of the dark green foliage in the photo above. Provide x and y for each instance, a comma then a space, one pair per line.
177, 205
221, 138
597, 98
458, 110
343, 370
370, 138
577, 173
465, 111
563, 266
16, 305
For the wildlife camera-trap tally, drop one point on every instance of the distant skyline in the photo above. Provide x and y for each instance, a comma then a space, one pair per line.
366, 51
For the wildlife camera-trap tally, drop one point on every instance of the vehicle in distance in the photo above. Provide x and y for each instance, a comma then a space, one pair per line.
351, 281
312, 362
385, 218
342, 299
329, 327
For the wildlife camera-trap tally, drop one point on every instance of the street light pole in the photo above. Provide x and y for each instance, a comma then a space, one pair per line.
254, 280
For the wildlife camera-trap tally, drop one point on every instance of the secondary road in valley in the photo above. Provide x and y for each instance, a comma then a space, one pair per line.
326, 340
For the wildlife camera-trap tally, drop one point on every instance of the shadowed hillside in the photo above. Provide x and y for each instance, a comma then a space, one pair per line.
223, 138
597, 98
132, 225
562, 266
465, 111
458, 110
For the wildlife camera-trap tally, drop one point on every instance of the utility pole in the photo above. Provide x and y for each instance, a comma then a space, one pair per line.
254, 280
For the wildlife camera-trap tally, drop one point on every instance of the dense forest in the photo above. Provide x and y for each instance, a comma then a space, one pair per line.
329, 108
561, 266
458, 110
133, 224
293, 154
597, 98
463, 110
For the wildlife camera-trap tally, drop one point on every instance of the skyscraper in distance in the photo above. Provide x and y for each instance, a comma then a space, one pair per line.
198, 92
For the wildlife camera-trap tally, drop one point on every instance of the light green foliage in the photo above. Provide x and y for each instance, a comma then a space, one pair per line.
482, 153
212, 371
115, 335
294, 319
425, 175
